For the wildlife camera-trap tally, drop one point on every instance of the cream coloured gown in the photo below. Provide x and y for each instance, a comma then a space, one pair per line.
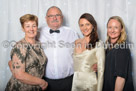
85, 78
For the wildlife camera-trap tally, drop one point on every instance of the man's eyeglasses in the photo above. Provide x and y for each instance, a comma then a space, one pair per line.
52, 16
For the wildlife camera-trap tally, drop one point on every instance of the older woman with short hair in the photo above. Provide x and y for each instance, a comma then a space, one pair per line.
28, 59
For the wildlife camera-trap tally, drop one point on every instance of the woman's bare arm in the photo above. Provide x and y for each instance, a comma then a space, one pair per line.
119, 84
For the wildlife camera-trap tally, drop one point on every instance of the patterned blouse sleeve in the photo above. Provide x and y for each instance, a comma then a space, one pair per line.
18, 54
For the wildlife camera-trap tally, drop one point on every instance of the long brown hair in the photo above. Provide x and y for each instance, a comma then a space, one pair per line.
93, 35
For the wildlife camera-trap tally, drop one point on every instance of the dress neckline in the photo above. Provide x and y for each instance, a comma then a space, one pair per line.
81, 52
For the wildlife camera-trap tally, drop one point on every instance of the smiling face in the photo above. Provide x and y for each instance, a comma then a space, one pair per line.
30, 29
85, 26
114, 30
54, 18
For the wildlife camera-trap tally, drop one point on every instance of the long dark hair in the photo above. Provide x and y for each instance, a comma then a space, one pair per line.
93, 35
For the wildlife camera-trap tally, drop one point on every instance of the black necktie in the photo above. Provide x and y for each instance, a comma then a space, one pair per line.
54, 31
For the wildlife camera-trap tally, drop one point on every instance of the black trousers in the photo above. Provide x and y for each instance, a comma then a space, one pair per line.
64, 84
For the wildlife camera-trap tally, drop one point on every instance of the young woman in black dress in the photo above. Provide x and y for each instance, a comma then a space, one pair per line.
118, 63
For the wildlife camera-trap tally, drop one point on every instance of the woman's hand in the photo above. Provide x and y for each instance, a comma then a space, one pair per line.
94, 67
43, 84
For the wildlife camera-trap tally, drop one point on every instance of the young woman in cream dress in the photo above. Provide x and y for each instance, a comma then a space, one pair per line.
89, 52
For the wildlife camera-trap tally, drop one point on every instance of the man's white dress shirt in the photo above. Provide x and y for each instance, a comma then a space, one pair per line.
58, 48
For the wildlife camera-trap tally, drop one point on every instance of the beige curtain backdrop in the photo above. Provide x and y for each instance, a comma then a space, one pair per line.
12, 10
